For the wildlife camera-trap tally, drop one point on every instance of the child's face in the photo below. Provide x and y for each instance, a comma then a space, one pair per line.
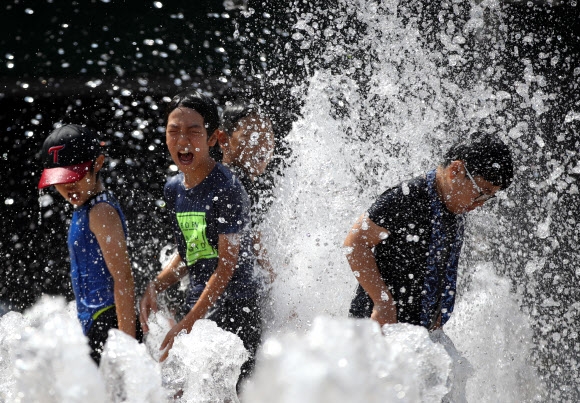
464, 195
77, 193
251, 145
186, 138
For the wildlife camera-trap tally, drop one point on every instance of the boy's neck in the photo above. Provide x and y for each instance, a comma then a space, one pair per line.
442, 186
195, 176
100, 186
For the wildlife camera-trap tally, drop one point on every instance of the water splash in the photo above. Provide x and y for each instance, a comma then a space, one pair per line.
205, 364
347, 360
495, 335
387, 114
131, 375
11, 326
44, 357
381, 106
51, 359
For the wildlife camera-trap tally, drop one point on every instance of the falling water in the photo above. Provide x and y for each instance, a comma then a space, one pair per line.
386, 96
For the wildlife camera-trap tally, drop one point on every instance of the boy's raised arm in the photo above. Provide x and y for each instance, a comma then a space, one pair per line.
361, 239
105, 223
228, 250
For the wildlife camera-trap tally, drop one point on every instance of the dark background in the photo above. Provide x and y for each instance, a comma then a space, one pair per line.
111, 64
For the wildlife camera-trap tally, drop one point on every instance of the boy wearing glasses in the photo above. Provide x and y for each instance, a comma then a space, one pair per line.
404, 251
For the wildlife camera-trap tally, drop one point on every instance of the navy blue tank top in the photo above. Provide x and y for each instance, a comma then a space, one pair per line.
92, 282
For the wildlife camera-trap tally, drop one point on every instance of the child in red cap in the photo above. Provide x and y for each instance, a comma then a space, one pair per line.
101, 274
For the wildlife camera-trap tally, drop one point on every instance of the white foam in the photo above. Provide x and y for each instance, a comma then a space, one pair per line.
51, 359
349, 360
159, 324
131, 375
493, 333
12, 325
205, 364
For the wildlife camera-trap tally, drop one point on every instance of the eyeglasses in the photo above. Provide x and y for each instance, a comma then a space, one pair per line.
483, 197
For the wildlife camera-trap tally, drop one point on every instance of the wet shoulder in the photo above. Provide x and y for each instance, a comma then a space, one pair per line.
171, 188
401, 203
173, 181
415, 189
407, 192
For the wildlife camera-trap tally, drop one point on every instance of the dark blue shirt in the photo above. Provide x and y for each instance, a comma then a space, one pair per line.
406, 211
218, 205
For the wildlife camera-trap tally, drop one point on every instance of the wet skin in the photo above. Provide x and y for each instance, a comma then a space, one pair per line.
458, 192
188, 144
77, 193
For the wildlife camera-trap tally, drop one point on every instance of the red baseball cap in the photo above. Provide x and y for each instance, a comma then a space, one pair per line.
68, 154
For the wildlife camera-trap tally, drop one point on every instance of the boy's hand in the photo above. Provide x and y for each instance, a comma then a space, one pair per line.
148, 303
437, 324
384, 313
167, 343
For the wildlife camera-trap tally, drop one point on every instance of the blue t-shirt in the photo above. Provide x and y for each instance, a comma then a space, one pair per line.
92, 282
217, 205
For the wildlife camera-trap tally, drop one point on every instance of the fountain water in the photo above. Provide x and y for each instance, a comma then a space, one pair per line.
389, 90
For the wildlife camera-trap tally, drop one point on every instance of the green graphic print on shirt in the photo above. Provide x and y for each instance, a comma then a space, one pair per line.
193, 225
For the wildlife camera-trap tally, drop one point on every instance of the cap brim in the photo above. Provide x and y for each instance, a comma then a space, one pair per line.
62, 175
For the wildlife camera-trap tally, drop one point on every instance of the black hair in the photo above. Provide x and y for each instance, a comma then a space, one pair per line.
485, 155
200, 103
236, 111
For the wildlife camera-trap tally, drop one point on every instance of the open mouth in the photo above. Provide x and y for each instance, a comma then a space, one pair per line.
185, 158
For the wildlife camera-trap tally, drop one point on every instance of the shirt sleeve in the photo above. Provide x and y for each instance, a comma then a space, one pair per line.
392, 209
